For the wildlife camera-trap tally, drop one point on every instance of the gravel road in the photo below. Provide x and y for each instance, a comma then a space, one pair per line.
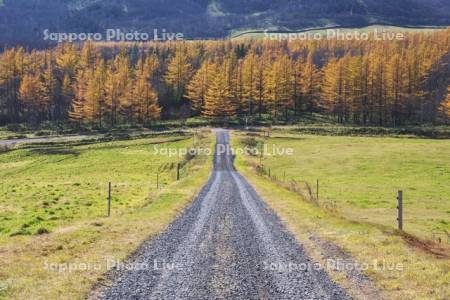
67, 138
227, 245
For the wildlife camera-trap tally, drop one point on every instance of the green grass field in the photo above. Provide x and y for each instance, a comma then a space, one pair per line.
47, 187
53, 208
363, 174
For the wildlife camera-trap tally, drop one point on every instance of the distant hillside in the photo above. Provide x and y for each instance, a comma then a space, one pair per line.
323, 31
23, 21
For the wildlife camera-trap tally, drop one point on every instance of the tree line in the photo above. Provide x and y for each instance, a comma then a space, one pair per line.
386, 83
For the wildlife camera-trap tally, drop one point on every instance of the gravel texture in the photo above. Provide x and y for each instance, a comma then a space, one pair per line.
227, 245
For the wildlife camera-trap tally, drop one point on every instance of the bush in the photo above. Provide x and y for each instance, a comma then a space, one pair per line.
16, 127
250, 142
42, 133
42, 230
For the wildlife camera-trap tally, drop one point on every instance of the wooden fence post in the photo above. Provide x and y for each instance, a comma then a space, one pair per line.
317, 190
157, 181
400, 210
109, 199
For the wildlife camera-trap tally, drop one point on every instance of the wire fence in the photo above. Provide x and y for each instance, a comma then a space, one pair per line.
311, 193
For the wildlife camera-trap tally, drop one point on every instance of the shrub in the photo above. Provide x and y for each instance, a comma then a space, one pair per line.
22, 231
250, 142
42, 230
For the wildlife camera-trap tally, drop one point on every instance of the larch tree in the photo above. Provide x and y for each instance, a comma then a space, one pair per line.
219, 102
67, 94
261, 63
249, 82
144, 94
356, 87
271, 88
94, 106
88, 55
112, 93
231, 104
66, 65
197, 87
333, 89
362, 82
286, 95
67, 59
378, 85
179, 72
445, 106
11, 72
77, 110
215, 90
118, 89
278, 86
29, 97
47, 90
310, 83
396, 87
297, 68
125, 86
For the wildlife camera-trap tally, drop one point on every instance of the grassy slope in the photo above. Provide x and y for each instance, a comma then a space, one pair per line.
73, 188
364, 242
